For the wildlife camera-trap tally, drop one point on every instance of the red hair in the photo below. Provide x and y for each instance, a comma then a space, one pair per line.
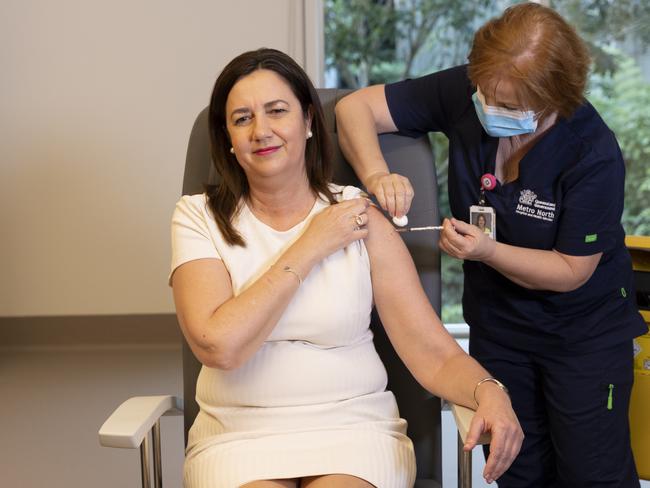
539, 52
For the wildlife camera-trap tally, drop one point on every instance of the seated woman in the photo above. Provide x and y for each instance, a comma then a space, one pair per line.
274, 274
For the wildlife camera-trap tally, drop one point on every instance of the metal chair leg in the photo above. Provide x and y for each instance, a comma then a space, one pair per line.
157, 460
464, 466
144, 462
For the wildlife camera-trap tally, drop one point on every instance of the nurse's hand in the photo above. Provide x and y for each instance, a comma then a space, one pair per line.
394, 192
465, 241
495, 415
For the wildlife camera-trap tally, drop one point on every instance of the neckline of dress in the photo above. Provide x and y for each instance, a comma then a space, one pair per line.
293, 228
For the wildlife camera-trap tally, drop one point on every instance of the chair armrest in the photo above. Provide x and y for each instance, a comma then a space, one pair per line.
463, 417
131, 421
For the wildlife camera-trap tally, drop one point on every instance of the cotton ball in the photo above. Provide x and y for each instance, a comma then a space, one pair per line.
401, 221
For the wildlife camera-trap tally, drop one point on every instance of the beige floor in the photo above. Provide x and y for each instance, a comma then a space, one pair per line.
53, 401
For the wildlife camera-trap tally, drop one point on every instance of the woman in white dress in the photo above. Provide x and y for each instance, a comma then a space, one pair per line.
274, 273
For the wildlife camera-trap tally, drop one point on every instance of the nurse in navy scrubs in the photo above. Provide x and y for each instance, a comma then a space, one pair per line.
550, 301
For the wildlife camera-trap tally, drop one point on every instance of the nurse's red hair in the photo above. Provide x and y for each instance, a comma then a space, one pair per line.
539, 52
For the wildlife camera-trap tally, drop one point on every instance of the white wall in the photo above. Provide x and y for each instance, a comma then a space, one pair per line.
97, 100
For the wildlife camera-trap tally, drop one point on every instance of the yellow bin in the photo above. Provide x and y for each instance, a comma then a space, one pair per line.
640, 407
639, 247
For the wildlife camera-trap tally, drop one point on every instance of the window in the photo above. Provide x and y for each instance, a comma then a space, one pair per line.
379, 41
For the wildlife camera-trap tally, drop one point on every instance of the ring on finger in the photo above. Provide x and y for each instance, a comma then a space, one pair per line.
359, 220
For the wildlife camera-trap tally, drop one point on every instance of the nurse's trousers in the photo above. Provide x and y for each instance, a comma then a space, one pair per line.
573, 409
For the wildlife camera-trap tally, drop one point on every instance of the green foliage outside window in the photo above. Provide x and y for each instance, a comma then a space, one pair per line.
623, 99
379, 41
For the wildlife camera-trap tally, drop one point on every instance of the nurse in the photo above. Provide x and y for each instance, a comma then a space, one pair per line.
550, 301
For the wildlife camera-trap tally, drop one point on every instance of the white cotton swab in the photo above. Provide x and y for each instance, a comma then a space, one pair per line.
401, 221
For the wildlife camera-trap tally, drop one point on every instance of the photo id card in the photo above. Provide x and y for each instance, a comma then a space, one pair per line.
484, 218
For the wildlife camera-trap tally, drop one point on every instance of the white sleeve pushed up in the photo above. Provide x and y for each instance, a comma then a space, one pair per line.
350, 192
191, 231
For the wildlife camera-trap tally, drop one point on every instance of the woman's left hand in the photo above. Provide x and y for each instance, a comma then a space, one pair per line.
465, 241
495, 415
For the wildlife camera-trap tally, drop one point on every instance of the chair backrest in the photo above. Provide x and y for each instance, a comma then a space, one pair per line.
412, 158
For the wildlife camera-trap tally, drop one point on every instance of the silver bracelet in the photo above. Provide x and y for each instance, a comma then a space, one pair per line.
491, 380
289, 269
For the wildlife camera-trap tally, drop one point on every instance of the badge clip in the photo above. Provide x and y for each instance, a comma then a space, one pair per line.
488, 183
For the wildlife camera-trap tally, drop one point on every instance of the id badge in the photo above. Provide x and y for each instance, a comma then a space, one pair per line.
484, 218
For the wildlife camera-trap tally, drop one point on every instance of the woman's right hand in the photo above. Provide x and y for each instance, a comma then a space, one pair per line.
393, 192
336, 227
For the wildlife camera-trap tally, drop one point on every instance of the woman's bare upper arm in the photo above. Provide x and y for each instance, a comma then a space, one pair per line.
396, 283
410, 321
385, 246
200, 287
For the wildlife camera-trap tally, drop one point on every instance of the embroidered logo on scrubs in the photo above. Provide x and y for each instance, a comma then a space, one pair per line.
527, 197
530, 206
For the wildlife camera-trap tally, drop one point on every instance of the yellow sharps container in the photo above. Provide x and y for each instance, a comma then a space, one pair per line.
639, 247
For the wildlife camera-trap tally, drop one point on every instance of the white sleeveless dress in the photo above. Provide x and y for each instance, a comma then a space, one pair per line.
313, 399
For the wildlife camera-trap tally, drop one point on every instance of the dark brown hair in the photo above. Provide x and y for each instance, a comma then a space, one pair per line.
225, 196
539, 52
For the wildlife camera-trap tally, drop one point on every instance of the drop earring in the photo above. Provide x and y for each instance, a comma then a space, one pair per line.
309, 134
232, 150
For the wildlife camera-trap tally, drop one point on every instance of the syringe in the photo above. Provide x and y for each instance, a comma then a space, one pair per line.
415, 229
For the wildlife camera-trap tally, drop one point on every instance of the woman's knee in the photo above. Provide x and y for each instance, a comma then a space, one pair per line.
271, 484
335, 481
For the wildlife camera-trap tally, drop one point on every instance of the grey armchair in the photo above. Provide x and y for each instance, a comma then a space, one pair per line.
129, 425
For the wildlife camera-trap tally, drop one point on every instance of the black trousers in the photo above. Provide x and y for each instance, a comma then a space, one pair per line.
573, 409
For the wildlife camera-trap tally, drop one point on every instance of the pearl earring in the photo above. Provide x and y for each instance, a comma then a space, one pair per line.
232, 150
309, 134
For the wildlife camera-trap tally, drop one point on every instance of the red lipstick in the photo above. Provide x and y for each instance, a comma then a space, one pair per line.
266, 150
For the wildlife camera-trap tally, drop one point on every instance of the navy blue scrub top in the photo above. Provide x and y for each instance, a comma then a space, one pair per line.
568, 197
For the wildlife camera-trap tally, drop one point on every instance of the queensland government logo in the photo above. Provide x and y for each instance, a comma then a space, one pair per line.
527, 197
530, 206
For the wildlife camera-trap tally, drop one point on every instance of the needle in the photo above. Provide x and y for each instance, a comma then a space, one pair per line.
409, 229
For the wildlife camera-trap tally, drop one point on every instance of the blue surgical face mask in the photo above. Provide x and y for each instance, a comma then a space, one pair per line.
503, 122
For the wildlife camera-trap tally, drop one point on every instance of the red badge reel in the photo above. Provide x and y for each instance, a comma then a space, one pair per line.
488, 183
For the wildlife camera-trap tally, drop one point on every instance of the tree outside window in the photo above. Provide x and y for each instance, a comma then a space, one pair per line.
380, 41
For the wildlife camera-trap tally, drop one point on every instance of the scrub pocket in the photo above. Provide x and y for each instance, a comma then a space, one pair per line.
589, 418
613, 422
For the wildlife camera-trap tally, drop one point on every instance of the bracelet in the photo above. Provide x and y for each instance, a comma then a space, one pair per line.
289, 269
491, 380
